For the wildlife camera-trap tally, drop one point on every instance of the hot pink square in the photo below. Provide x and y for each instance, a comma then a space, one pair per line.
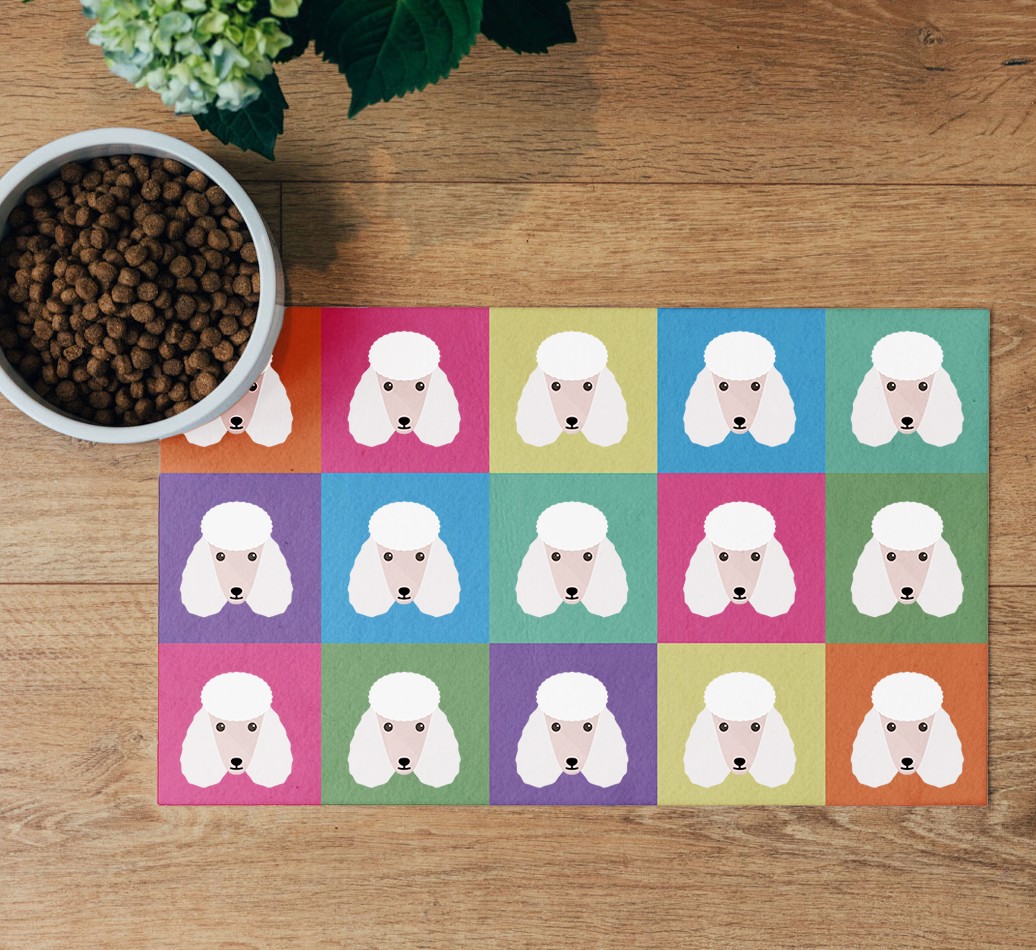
292, 671
797, 505
462, 336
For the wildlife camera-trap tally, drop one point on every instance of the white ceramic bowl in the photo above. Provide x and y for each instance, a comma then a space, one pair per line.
42, 165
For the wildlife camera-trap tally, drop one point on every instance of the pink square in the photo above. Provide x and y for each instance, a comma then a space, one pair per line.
462, 337
796, 503
292, 671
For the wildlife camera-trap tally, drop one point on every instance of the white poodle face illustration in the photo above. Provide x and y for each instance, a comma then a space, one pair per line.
263, 413
404, 561
571, 732
236, 732
571, 561
906, 390
404, 732
571, 390
739, 561
907, 732
906, 561
403, 391
236, 561
739, 390
739, 732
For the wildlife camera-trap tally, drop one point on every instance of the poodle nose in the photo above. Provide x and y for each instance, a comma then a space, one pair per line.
236, 420
908, 420
571, 591
571, 420
235, 592
571, 762
404, 591
403, 761
907, 761
739, 420
739, 762
404, 420
235, 762
739, 592
908, 591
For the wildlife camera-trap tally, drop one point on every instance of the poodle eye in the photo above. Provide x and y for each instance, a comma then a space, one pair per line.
555, 556
252, 727
891, 556
588, 556
388, 555
723, 727
388, 387
890, 386
253, 387
220, 726
756, 555
252, 555
588, 386
588, 727
923, 556
756, 386
723, 556
556, 386
891, 727
756, 727
220, 556
419, 387
387, 727
723, 387
923, 386
555, 727
419, 555
922, 726
419, 727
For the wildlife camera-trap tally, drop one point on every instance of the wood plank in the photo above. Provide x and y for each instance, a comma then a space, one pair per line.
77, 726
697, 91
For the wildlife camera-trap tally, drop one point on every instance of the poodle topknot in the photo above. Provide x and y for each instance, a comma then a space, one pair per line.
236, 560
402, 732
907, 731
906, 561
907, 390
236, 731
739, 732
572, 390
571, 732
404, 560
263, 413
571, 560
403, 390
739, 390
739, 561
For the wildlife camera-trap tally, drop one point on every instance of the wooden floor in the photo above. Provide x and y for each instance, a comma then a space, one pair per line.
812, 153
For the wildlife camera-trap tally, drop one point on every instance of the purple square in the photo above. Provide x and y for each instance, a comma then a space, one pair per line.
627, 672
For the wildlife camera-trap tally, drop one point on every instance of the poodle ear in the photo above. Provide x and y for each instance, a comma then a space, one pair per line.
702, 756
703, 589
199, 758
439, 421
440, 757
368, 590
943, 588
872, 421
208, 434
537, 765
271, 421
439, 592
872, 764
607, 421
775, 590
369, 423
943, 418
271, 590
774, 422
871, 590
607, 762
702, 415
271, 761
537, 423
607, 591
537, 593
775, 761
943, 759
369, 763
200, 592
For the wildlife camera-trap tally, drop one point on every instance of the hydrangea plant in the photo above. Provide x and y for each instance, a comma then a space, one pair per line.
215, 59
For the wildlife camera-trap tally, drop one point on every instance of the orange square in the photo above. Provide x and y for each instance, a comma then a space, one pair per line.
852, 672
296, 358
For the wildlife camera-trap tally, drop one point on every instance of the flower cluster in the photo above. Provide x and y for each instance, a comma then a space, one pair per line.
195, 53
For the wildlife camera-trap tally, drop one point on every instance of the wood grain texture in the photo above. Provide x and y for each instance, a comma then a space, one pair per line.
831, 152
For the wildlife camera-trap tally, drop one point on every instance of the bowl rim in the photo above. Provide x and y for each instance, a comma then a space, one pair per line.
103, 142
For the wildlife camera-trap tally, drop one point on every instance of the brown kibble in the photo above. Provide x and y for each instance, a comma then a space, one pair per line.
196, 204
223, 351
210, 336
129, 277
202, 385
154, 225
197, 181
142, 312
228, 326
141, 358
179, 266
135, 255
195, 237
248, 253
178, 392
210, 282
147, 291
87, 289
122, 294
173, 367
240, 337
216, 195
65, 390
242, 285
185, 306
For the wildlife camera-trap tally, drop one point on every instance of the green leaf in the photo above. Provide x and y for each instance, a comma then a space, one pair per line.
300, 29
254, 128
388, 48
527, 26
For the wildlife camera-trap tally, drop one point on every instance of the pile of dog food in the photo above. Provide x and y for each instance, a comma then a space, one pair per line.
128, 288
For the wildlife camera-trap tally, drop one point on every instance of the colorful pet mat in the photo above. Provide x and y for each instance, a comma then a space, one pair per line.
575, 556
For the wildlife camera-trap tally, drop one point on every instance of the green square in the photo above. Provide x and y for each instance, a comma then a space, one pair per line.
629, 504
964, 338
962, 502
462, 674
